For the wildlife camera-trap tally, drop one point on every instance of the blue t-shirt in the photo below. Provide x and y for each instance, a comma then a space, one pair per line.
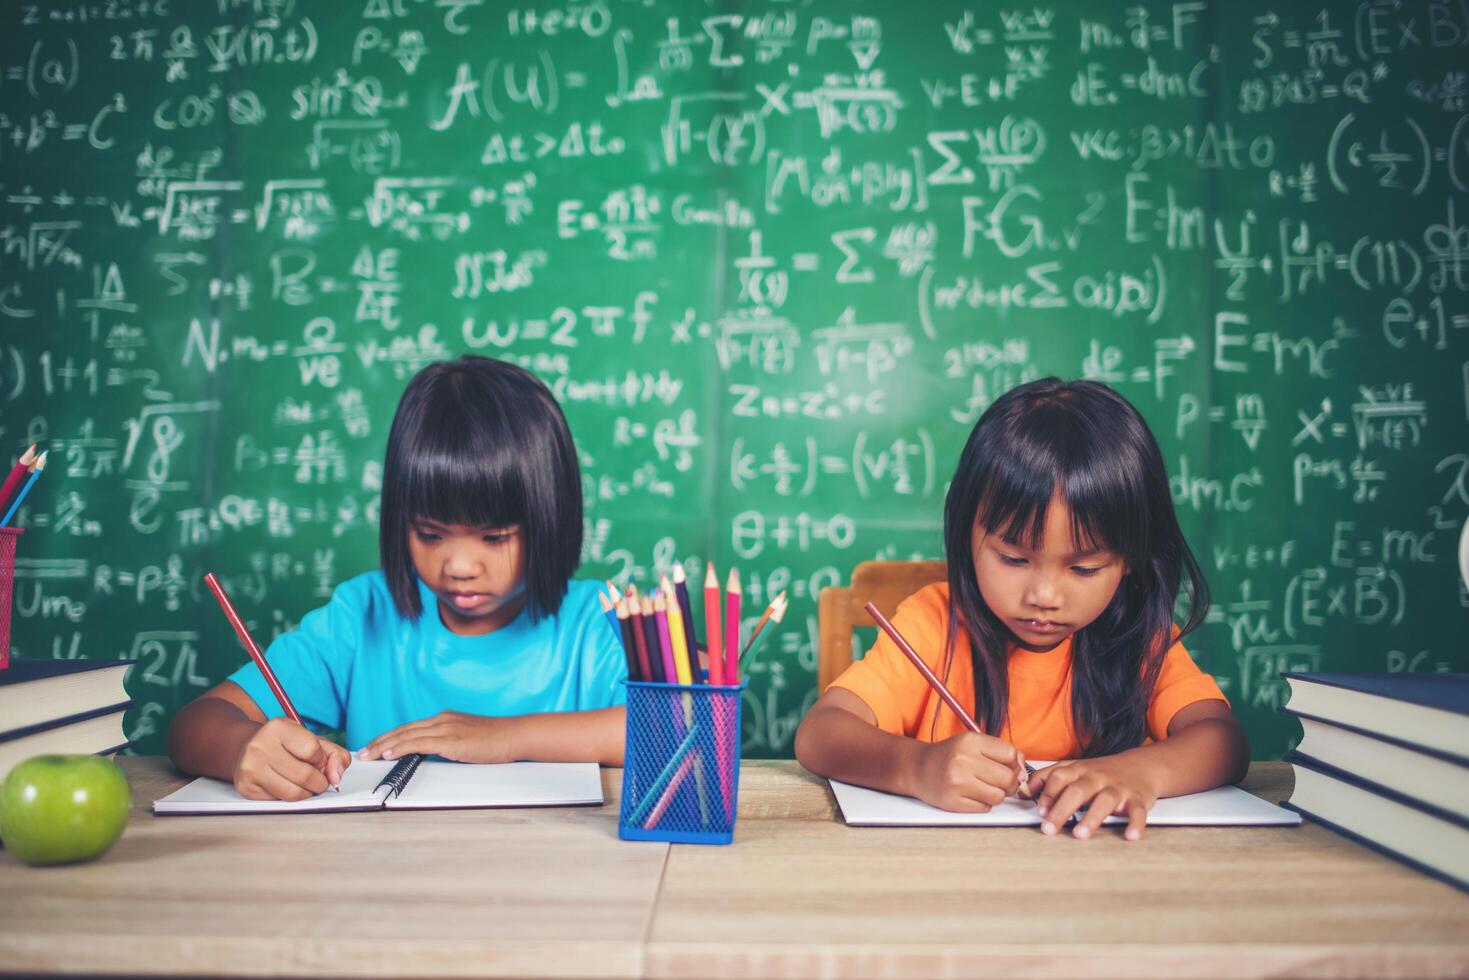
357, 665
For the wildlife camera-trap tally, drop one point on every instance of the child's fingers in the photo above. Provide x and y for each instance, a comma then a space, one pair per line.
1098, 810
999, 750
374, 749
406, 741
303, 745
994, 774
1066, 804
1137, 819
427, 744
1054, 781
982, 791
338, 759
307, 777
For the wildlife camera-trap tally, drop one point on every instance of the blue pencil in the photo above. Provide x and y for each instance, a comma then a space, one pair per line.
35, 472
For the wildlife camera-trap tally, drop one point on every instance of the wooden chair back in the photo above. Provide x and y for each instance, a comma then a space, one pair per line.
839, 608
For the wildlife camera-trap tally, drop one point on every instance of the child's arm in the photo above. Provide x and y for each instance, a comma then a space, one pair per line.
839, 739
1206, 747
565, 736
224, 734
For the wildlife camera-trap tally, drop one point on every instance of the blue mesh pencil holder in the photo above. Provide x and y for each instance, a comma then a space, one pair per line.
681, 774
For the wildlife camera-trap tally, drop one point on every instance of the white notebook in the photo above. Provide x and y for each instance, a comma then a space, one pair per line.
1225, 806
411, 783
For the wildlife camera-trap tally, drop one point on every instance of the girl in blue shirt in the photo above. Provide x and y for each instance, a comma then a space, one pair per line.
471, 643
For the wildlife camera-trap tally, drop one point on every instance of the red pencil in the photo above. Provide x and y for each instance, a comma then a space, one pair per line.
639, 635
20, 470
249, 642
713, 638
933, 681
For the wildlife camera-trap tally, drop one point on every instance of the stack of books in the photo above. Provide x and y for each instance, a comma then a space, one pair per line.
61, 706
1384, 759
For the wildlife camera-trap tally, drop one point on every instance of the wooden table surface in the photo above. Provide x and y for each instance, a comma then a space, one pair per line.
555, 892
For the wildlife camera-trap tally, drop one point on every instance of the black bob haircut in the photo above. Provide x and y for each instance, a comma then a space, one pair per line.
1083, 440
481, 442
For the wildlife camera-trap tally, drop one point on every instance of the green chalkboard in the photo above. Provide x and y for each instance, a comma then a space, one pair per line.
773, 257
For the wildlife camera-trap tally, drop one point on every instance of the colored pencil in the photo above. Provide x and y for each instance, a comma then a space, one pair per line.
640, 638
661, 807
19, 470
255, 652
624, 634
733, 598
36, 468
654, 648
665, 642
933, 681
687, 674
609, 610
774, 613
677, 635
686, 610
674, 761
713, 638
651, 638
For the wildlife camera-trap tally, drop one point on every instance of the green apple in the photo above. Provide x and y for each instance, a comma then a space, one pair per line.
55, 809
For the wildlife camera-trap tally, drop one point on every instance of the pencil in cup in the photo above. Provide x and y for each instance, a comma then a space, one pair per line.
659, 800
933, 681
18, 472
8, 539
25, 488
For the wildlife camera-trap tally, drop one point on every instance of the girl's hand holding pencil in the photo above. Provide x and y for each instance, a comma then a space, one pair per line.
969, 773
283, 761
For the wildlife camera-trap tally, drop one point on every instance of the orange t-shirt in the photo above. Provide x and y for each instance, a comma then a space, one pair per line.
1039, 718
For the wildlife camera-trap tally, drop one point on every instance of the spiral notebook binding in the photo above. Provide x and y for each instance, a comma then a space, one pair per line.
399, 775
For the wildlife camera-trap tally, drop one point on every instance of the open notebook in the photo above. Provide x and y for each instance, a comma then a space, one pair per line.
1223, 806
412, 783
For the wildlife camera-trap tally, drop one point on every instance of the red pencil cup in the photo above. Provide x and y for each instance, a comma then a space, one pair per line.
8, 536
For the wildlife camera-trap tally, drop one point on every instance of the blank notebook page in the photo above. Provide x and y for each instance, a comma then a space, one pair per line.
438, 785
206, 795
1222, 806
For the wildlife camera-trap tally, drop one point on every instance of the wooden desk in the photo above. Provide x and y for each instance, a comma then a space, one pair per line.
554, 892
423, 893
800, 893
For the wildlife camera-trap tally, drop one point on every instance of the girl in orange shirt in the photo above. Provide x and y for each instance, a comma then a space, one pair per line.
1055, 629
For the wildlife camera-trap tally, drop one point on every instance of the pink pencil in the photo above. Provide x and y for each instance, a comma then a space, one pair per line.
665, 639
661, 807
732, 599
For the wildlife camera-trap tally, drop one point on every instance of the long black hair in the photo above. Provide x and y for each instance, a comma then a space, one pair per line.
482, 442
1085, 441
